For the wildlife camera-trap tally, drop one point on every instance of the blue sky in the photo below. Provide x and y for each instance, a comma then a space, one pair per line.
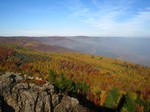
117, 18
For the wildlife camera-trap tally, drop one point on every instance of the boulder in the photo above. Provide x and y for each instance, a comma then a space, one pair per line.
18, 94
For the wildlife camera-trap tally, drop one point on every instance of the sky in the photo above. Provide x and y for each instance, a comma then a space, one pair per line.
106, 18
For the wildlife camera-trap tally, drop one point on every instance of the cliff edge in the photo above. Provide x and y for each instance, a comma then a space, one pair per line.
19, 93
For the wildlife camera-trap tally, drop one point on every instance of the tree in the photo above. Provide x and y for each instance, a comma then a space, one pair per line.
52, 77
109, 101
111, 98
81, 87
129, 105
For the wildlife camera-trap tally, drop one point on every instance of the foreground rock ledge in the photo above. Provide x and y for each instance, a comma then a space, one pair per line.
19, 95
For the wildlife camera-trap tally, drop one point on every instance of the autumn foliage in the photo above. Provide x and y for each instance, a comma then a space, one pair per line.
104, 81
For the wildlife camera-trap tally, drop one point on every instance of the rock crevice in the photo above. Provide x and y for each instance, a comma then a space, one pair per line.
19, 95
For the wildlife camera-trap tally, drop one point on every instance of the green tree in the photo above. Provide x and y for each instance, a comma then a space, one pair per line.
129, 105
81, 87
139, 100
62, 82
147, 106
52, 77
111, 98
109, 101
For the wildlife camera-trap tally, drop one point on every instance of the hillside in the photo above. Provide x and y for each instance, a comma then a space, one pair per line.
134, 50
33, 43
126, 49
106, 82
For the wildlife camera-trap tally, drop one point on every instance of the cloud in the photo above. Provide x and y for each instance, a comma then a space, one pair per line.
115, 18
80, 13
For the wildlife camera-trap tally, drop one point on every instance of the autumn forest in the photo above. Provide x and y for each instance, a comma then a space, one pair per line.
106, 82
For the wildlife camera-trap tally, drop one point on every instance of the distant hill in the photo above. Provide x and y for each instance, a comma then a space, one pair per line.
33, 43
135, 50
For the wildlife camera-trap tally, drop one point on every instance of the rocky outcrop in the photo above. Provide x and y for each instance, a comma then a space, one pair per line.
19, 94
69, 104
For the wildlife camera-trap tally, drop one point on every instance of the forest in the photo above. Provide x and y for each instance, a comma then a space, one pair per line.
106, 82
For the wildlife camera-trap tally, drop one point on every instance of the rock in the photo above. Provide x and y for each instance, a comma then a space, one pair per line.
19, 95
69, 104
56, 98
25, 97
4, 107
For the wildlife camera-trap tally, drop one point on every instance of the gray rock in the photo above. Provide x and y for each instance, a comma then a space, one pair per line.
18, 95
67, 104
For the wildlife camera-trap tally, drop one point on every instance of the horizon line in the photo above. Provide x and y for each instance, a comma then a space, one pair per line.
73, 36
